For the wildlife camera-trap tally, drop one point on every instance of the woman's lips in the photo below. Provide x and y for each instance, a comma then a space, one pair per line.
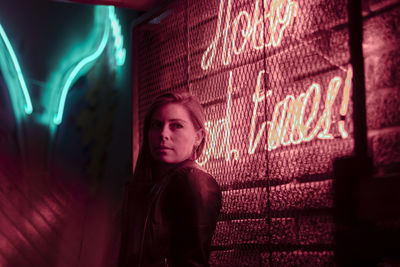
163, 148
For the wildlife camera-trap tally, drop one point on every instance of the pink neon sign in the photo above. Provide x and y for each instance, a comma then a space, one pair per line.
278, 15
290, 124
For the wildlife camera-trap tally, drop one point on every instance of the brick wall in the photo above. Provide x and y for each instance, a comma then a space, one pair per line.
382, 71
277, 205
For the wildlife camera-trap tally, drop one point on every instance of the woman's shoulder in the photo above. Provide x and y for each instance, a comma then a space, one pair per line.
195, 177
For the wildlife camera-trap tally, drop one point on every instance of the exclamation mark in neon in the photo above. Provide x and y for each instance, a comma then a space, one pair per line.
345, 102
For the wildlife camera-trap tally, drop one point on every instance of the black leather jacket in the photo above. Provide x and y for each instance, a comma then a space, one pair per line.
171, 222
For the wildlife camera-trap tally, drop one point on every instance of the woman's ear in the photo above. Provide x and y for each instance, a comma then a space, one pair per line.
200, 134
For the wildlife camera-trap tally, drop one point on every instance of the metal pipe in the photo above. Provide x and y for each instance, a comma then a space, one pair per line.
357, 61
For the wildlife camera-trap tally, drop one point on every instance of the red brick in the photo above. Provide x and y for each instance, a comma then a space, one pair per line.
300, 196
300, 258
164, 77
255, 231
381, 32
318, 16
383, 70
383, 109
250, 170
380, 4
386, 150
309, 159
283, 231
251, 200
316, 230
370, 62
231, 258
244, 81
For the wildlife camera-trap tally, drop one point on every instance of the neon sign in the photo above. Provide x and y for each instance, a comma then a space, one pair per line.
74, 74
280, 15
289, 124
120, 52
83, 65
220, 131
105, 18
13, 75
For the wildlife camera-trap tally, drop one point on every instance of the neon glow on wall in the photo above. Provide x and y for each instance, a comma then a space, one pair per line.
13, 76
289, 124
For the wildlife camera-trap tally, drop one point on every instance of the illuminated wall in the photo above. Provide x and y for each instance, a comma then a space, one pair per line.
275, 80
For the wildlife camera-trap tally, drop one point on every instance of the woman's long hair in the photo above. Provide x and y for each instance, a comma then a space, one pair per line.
145, 161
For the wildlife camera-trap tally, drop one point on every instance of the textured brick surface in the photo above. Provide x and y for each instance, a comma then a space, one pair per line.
380, 4
244, 201
383, 108
381, 32
299, 258
386, 150
255, 231
319, 15
382, 70
303, 162
299, 196
316, 230
293, 196
307, 160
235, 258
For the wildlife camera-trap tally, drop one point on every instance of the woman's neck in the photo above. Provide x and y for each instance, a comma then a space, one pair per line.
161, 168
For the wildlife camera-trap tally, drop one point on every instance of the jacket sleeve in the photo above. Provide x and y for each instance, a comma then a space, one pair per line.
196, 203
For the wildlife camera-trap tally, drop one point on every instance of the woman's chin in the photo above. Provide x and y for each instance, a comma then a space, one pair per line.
168, 160
164, 159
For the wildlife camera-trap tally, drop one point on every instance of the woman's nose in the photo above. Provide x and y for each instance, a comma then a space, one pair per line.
165, 133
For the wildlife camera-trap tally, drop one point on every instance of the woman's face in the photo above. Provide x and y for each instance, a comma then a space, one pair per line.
172, 135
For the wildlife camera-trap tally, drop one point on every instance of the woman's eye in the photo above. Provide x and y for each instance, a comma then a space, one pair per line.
176, 126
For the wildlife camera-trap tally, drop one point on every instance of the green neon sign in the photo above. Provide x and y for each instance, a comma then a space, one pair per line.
13, 76
77, 71
71, 67
120, 52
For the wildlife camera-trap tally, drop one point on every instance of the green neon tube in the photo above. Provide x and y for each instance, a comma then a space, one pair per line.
120, 53
17, 70
71, 77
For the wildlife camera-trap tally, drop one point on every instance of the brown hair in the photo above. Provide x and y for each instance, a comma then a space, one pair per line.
196, 112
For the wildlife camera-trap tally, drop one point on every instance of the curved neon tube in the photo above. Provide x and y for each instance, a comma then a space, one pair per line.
28, 103
58, 116
120, 53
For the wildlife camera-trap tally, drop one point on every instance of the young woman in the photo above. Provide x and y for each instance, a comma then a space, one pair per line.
171, 205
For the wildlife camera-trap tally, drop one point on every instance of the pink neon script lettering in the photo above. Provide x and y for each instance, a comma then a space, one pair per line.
280, 15
288, 125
